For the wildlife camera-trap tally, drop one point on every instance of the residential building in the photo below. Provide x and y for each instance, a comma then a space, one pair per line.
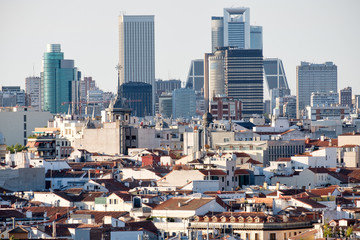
327, 112
345, 97
275, 76
12, 96
311, 78
139, 97
277, 93
59, 82
225, 108
86, 85
184, 103
17, 123
195, 79
137, 50
33, 91
287, 106
324, 99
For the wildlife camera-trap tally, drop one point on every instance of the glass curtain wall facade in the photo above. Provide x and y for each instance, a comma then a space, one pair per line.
195, 78
139, 97
57, 81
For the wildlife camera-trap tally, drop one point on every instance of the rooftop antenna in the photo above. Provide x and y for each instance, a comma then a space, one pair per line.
118, 68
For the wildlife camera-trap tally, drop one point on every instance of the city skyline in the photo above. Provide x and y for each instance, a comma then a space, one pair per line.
90, 36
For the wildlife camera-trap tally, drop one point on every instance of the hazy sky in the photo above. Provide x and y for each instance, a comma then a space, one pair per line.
294, 31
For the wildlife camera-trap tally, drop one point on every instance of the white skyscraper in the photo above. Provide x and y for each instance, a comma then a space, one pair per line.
237, 27
137, 49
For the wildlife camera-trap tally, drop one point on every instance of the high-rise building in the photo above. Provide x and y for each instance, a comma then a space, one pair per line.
184, 103
195, 79
275, 76
313, 78
161, 87
217, 32
256, 37
33, 90
59, 82
137, 50
234, 30
139, 97
225, 108
345, 97
286, 106
237, 27
86, 85
237, 73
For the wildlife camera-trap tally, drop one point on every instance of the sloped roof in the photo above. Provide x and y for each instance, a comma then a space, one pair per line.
146, 225
311, 203
183, 203
252, 161
112, 185
99, 215
213, 172
283, 159
9, 212
323, 191
241, 172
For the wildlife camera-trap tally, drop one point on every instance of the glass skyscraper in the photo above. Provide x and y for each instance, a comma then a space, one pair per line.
137, 50
195, 79
59, 81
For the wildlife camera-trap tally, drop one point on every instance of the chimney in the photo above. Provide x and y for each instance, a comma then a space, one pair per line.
277, 185
54, 229
307, 140
265, 185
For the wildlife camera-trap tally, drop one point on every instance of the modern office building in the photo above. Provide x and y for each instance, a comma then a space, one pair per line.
137, 50
345, 97
164, 86
165, 105
94, 103
217, 32
286, 106
184, 103
237, 27
86, 85
59, 82
275, 76
234, 30
33, 91
236, 73
313, 78
324, 98
139, 97
256, 37
195, 79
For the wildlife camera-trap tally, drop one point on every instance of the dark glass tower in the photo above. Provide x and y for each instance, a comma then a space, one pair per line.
139, 97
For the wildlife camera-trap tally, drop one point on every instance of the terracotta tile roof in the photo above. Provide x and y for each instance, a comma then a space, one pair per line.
241, 154
318, 143
272, 194
146, 225
112, 185
290, 192
311, 203
252, 161
99, 215
241, 172
213, 172
350, 134
90, 196
349, 146
64, 174
183, 203
51, 212
9, 212
127, 197
323, 191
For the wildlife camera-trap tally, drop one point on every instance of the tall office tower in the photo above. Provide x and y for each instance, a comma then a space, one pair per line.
237, 27
33, 90
236, 73
59, 82
137, 50
244, 79
217, 32
184, 103
195, 79
275, 93
345, 97
275, 76
256, 37
313, 78
323, 99
167, 86
216, 74
139, 97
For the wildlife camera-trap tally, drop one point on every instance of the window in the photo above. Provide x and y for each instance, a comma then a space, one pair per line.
256, 236
115, 201
227, 183
233, 168
24, 118
284, 235
272, 236
24, 126
223, 179
247, 236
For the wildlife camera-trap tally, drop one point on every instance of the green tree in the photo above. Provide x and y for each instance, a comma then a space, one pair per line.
327, 231
16, 148
349, 231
